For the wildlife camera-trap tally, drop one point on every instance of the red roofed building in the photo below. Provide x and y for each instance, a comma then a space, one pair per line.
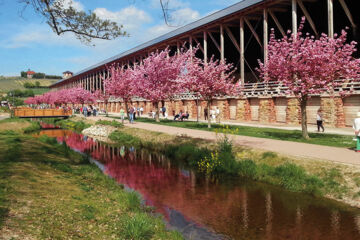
30, 74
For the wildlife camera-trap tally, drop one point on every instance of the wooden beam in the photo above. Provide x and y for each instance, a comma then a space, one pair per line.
205, 47
253, 31
200, 47
294, 16
242, 65
330, 9
222, 44
277, 22
308, 17
214, 40
232, 38
348, 13
265, 35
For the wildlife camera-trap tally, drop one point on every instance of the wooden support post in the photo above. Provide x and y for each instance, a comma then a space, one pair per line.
205, 47
214, 41
348, 13
198, 44
265, 25
253, 31
330, 18
232, 38
242, 58
294, 16
222, 46
308, 17
190, 44
277, 22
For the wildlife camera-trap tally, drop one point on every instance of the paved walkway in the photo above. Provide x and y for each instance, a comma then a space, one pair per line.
334, 154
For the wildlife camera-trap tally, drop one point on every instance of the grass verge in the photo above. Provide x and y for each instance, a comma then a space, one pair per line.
333, 140
48, 191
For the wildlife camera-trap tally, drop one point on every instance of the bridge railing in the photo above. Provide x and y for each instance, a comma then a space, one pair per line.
28, 112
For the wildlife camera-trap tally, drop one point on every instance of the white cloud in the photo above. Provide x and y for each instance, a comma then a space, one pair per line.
172, 4
184, 16
75, 4
130, 17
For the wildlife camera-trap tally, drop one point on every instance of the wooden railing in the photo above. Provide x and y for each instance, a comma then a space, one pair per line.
39, 113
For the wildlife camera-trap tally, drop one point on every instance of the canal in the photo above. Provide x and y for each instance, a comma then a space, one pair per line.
203, 209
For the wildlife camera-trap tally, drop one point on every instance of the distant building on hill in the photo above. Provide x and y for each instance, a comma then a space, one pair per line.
67, 74
30, 74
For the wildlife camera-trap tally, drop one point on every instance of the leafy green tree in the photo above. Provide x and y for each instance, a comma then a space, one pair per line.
23, 74
37, 84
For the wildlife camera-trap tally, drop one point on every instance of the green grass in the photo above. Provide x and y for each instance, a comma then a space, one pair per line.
333, 140
55, 193
12, 83
112, 123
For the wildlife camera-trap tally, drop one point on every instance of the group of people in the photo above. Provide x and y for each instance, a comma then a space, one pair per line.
181, 115
214, 114
133, 111
88, 111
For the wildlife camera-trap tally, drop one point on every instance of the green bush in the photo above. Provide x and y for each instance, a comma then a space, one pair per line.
125, 139
113, 123
138, 226
35, 126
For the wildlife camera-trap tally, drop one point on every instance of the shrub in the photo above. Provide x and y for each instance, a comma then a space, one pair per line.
113, 123
35, 126
138, 226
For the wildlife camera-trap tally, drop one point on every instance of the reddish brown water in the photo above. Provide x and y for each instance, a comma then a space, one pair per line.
202, 209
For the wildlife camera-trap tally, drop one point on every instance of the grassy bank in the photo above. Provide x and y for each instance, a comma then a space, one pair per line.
221, 158
48, 191
333, 140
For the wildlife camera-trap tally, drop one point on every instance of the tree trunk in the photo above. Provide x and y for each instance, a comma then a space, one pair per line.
208, 113
303, 102
127, 109
157, 117
106, 109
197, 109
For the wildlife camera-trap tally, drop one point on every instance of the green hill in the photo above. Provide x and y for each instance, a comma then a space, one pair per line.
12, 83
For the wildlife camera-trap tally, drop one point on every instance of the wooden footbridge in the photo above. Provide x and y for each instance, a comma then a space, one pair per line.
41, 113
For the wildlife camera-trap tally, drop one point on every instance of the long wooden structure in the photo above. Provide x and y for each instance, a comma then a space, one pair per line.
41, 113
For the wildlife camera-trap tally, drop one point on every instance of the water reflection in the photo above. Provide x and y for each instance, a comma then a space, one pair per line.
201, 209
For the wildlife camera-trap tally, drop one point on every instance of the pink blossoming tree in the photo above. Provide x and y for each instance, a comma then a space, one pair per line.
309, 66
157, 79
209, 80
121, 84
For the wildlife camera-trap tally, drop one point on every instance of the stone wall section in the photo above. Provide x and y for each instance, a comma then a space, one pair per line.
332, 108
267, 112
293, 113
243, 111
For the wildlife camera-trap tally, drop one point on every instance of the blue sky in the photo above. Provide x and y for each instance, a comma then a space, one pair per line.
26, 41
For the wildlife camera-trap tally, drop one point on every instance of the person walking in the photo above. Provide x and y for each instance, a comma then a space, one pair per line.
85, 111
141, 110
356, 127
163, 111
205, 113
122, 115
319, 121
131, 114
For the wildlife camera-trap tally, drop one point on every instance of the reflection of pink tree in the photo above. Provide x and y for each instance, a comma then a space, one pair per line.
308, 66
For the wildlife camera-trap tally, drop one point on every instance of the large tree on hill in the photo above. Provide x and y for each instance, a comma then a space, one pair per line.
308, 66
